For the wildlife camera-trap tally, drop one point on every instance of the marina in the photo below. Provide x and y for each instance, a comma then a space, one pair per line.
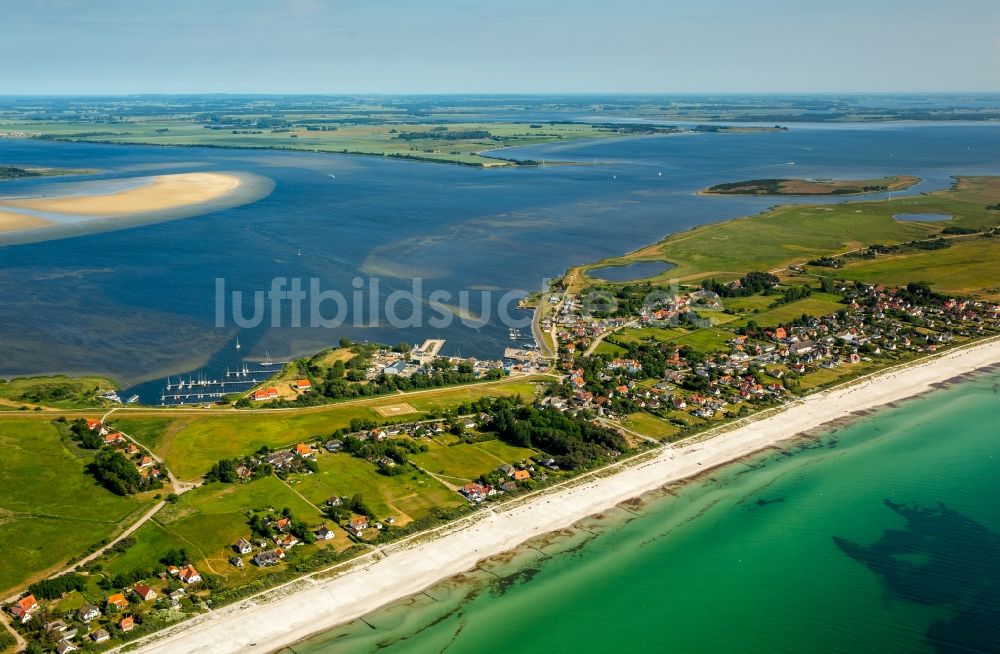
198, 388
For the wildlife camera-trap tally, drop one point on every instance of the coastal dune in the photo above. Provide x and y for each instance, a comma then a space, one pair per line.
285, 615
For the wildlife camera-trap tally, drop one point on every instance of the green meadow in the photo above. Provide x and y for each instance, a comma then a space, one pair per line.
406, 497
467, 461
190, 443
51, 509
968, 267
794, 234
59, 392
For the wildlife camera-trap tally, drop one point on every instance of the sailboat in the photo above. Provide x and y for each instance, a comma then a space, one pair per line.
237, 342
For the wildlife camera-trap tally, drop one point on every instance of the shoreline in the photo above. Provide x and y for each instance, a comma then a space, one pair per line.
290, 613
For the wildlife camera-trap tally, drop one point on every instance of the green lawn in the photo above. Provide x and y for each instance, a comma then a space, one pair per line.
462, 461
51, 510
610, 349
649, 425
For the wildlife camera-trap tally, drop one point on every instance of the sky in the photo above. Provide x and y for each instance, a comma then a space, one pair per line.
497, 46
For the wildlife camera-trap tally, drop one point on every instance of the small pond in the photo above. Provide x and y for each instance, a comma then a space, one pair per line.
631, 272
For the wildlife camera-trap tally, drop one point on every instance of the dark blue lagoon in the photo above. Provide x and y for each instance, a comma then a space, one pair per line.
630, 272
140, 303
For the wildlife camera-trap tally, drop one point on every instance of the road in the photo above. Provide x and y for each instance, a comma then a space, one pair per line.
600, 339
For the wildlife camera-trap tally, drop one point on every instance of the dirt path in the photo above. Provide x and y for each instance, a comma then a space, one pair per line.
600, 339
19, 643
301, 496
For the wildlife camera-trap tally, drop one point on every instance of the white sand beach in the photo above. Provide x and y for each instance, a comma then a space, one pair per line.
285, 615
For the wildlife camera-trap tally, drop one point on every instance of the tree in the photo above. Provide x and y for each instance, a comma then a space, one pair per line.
224, 471
176, 557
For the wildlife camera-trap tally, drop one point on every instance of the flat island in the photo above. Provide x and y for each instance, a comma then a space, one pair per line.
8, 171
813, 186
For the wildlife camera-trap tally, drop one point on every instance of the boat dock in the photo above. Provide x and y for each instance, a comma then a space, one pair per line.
429, 351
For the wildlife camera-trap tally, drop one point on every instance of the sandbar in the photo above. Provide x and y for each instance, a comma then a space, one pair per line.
155, 194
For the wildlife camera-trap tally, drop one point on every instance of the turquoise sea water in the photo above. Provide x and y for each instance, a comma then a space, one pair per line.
881, 536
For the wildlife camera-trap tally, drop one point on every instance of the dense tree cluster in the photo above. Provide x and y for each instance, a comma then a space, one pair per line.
573, 441
86, 437
119, 475
751, 283
444, 134
52, 588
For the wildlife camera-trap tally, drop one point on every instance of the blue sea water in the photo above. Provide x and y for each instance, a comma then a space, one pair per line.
140, 303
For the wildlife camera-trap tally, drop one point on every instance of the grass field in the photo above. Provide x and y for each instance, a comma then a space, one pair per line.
967, 267
649, 425
709, 339
191, 443
818, 304
406, 497
468, 460
794, 234
208, 520
51, 510
501, 450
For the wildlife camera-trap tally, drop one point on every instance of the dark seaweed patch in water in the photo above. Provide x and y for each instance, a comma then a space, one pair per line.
941, 558
505, 583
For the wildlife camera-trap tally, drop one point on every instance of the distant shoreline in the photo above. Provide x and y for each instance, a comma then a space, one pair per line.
288, 614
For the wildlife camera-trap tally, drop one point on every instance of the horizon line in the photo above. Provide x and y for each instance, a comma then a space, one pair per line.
103, 94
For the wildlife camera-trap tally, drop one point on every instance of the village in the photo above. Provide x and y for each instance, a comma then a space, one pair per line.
677, 359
